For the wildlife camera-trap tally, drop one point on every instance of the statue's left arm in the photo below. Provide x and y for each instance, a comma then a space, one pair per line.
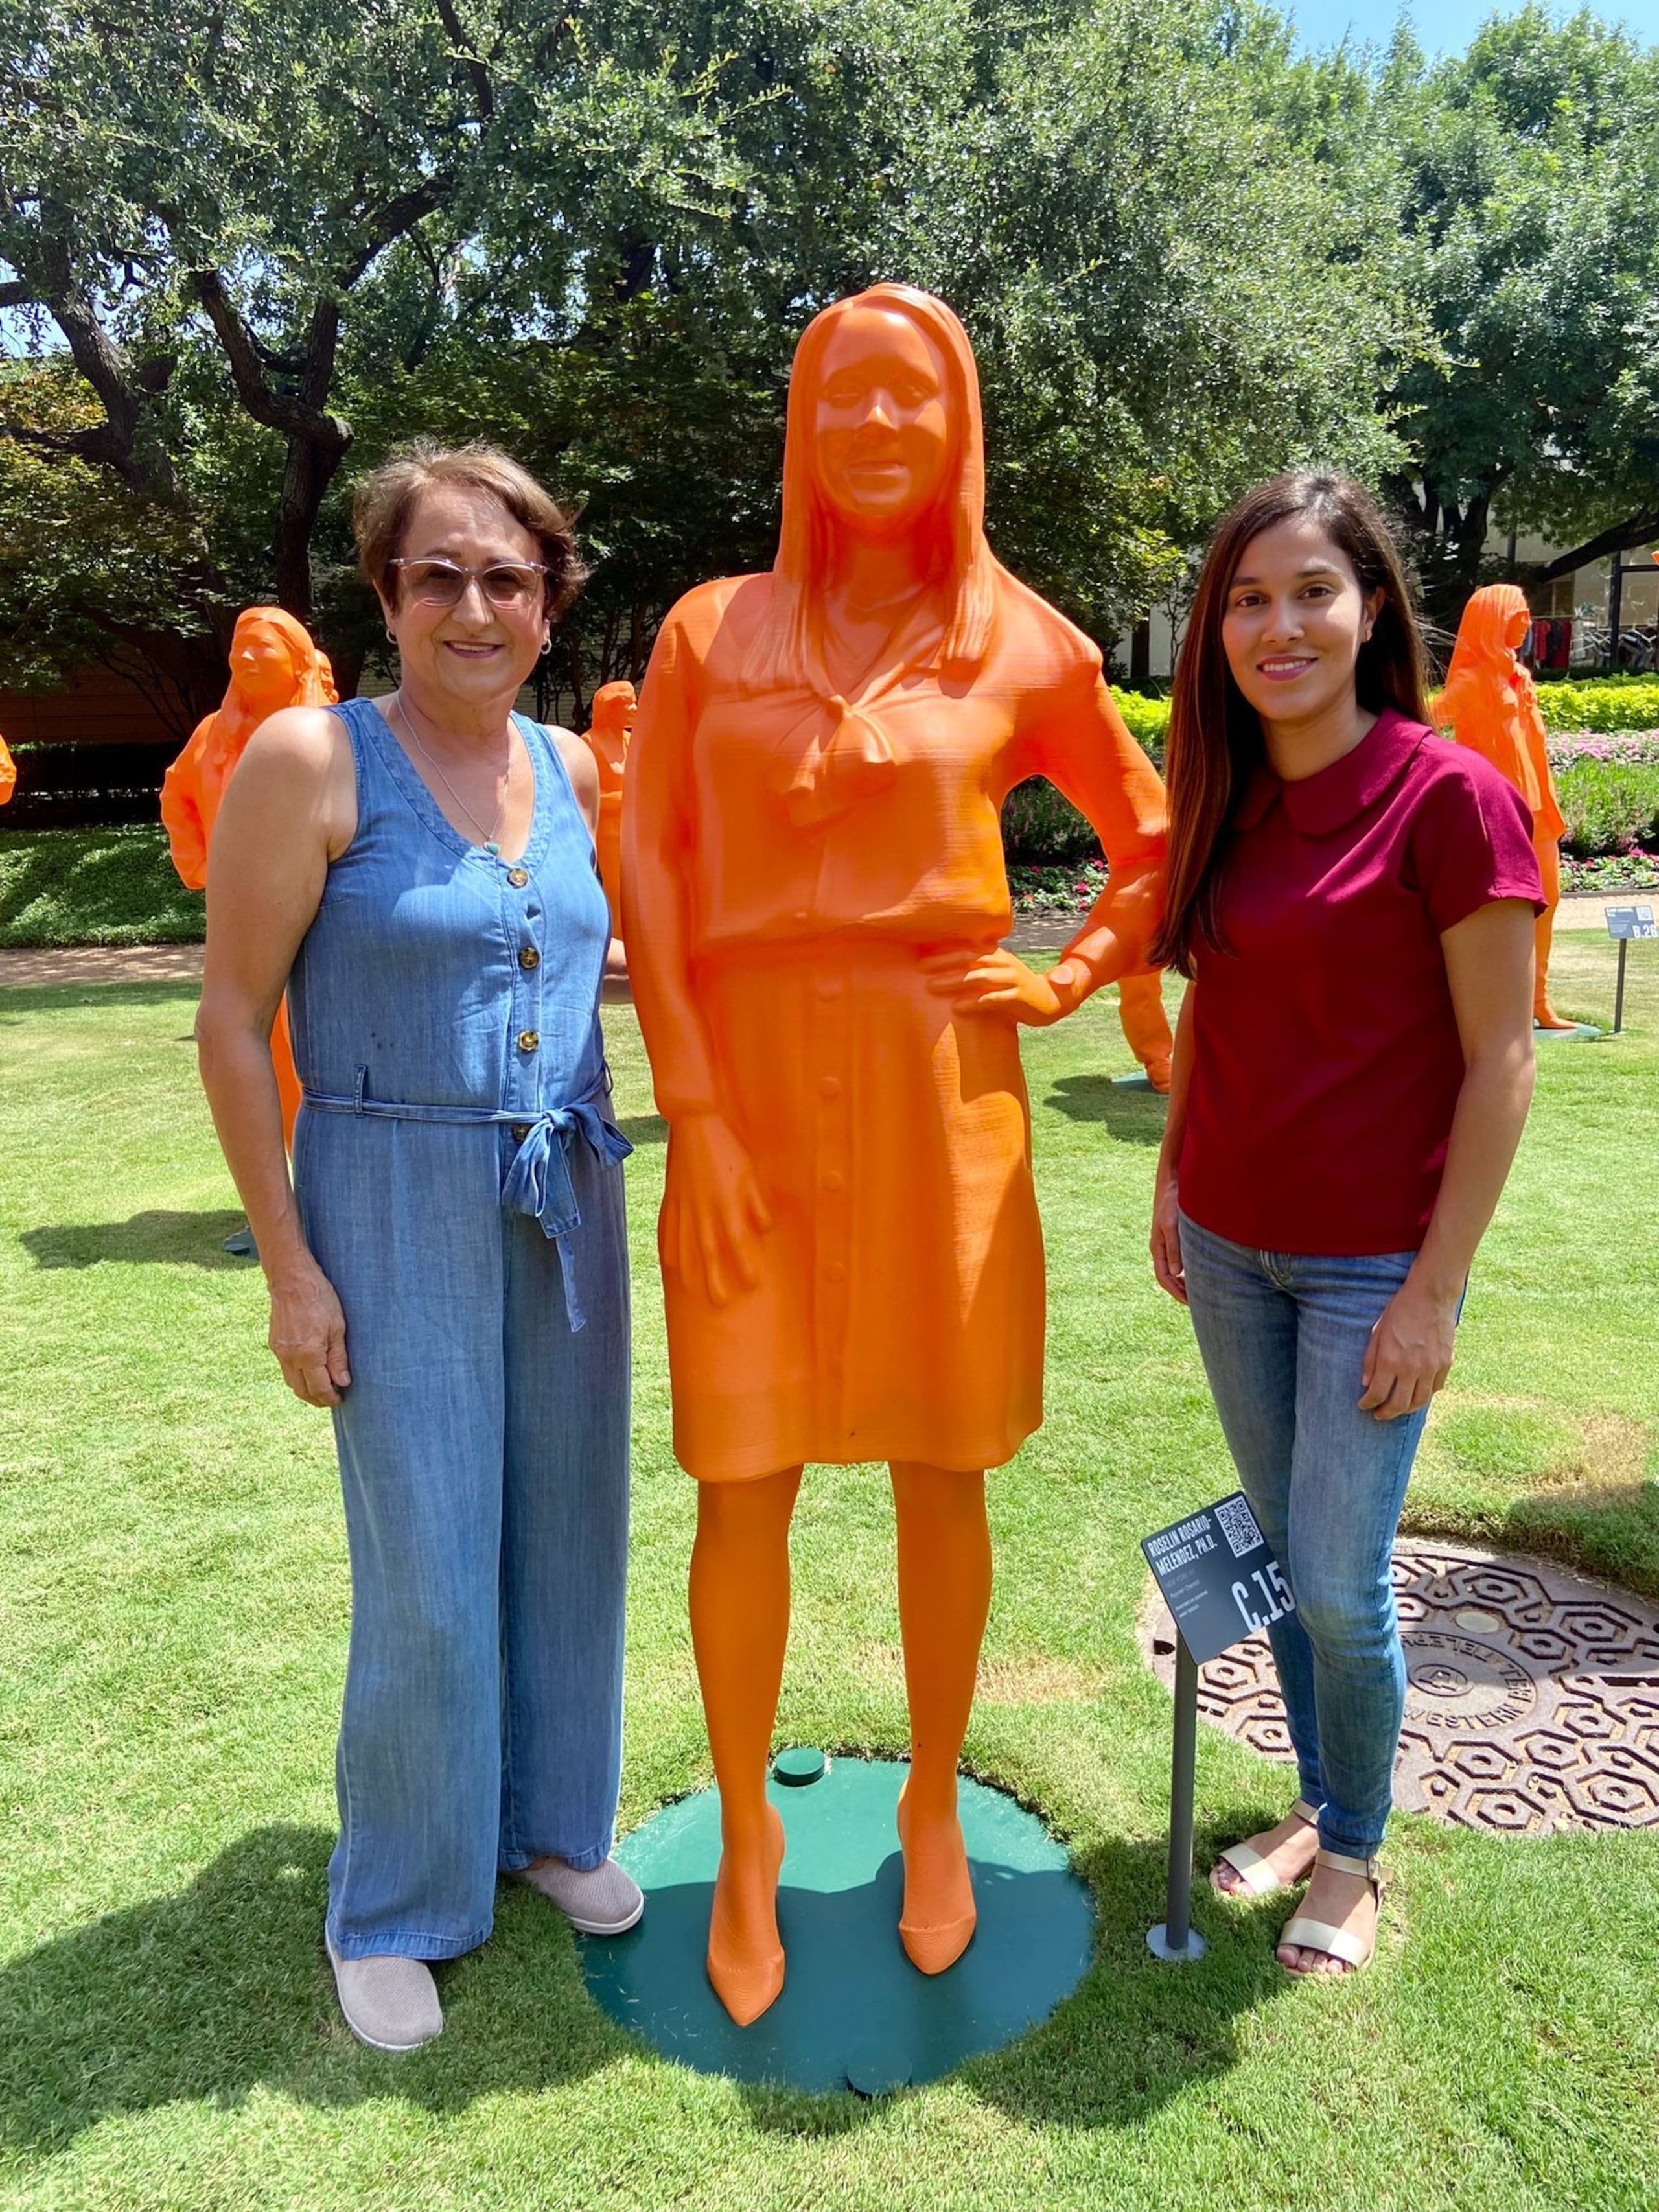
1087, 753
1079, 741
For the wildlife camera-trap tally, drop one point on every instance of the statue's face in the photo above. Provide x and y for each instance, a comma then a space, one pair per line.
882, 435
1516, 626
262, 667
614, 709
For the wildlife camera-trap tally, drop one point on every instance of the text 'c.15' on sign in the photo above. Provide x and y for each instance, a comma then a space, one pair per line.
1218, 1578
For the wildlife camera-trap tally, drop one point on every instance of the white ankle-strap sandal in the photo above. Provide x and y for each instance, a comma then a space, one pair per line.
1253, 1870
1336, 1942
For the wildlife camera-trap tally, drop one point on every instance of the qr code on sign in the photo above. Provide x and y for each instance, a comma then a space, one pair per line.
1238, 1526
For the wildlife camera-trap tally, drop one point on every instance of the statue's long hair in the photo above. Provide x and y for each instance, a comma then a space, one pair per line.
784, 653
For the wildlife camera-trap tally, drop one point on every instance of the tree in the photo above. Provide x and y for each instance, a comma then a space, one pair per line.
250, 244
220, 213
1531, 227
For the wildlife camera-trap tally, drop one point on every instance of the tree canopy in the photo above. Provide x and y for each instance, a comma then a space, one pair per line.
246, 249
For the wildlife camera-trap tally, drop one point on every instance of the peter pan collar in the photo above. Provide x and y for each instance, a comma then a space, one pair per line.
1339, 794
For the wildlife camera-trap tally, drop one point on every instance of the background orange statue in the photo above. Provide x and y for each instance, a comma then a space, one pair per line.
608, 740
1146, 1024
8, 772
273, 664
1490, 703
814, 892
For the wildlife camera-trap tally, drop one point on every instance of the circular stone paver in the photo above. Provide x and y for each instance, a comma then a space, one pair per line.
854, 2013
1532, 1695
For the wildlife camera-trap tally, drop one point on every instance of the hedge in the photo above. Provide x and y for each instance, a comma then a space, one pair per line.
94, 887
1609, 806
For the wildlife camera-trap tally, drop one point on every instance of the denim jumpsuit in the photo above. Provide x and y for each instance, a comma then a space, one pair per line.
458, 1180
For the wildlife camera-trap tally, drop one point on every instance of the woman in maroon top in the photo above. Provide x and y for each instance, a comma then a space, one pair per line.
1352, 901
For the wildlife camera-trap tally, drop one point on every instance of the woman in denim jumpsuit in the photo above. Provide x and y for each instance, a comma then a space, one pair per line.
452, 1280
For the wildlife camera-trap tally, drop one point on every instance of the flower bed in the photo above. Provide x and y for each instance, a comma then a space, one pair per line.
1610, 872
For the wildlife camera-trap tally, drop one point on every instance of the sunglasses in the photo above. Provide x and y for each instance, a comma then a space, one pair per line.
504, 583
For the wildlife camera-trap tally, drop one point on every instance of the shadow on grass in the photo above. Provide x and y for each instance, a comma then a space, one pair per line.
20, 1003
1134, 2033
179, 1240
1135, 1116
1139, 2031
203, 1996
644, 1128
206, 1995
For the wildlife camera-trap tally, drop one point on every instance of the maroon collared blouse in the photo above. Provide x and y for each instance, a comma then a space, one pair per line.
1326, 1061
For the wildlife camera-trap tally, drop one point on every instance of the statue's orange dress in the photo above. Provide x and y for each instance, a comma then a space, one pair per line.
1491, 704
8, 772
194, 786
900, 1310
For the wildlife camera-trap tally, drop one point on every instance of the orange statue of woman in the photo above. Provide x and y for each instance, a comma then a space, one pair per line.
608, 740
1490, 703
1146, 1024
8, 772
273, 664
814, 893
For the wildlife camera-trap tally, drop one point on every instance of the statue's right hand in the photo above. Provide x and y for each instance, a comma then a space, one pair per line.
307, 1332
714, 1213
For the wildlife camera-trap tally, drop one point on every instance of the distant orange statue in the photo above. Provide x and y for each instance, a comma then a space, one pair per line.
608, 738
814, 894
1490, 703
1146, 1024
7, 773
273, 664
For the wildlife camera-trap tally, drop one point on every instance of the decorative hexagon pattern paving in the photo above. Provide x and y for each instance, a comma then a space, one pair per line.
1532, 1698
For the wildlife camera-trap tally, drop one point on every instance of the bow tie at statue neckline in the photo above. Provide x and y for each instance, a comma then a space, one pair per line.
838, 754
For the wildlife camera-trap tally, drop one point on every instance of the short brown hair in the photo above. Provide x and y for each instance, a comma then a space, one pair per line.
383, 502
1215, 742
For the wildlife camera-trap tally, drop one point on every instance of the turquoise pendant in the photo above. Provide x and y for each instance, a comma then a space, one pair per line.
490, 846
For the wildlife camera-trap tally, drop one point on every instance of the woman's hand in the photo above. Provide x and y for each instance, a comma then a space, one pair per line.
307, 1332
1410, 1352
1000, 983
1166, 1238
715, 1214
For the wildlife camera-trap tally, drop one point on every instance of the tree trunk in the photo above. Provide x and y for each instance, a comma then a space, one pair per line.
1140, 655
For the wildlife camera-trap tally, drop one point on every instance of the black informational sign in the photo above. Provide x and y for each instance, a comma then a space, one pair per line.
1628, 921
1218, 1576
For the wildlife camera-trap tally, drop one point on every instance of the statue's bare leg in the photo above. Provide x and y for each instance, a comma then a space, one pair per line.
1549, 863
945, 1595
740, 1627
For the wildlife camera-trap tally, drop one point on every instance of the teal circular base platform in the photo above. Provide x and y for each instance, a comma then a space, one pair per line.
1580, 1033
854, 2013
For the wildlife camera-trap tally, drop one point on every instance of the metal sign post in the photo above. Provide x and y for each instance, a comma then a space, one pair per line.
1175, 1936
1623, 924
1221, 1584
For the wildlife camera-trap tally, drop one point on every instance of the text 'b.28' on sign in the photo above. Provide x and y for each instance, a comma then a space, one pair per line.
1218, 1578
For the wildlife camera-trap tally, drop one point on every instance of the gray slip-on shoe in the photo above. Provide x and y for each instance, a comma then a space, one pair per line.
604, 1900
389, 2003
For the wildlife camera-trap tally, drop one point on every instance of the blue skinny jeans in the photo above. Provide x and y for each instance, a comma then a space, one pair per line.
1283, 1337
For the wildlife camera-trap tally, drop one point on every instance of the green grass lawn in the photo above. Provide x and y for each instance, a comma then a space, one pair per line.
174, 1617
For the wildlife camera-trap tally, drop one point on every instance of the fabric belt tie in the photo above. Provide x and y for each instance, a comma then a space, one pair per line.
539, 1179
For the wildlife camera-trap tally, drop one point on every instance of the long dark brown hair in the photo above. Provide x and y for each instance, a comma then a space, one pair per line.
1215, 741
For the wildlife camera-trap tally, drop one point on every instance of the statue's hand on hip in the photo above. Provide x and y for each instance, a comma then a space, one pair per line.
715, 1213
998, 983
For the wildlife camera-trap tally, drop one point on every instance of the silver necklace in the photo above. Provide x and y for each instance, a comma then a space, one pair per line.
488, 841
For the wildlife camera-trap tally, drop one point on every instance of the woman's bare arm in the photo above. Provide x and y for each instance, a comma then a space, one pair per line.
1166, 1198
287, 812
1489, 969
